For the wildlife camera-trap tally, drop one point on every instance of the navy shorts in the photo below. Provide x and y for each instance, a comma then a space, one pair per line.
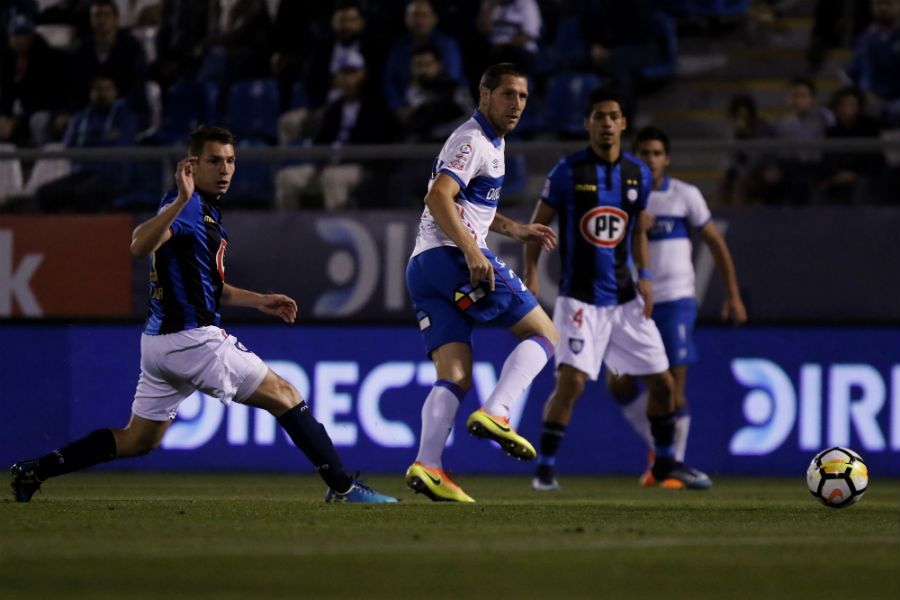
675, 321
447, 305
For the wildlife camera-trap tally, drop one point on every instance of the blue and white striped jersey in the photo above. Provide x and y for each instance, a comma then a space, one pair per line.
473, 156
677, 207
187, 272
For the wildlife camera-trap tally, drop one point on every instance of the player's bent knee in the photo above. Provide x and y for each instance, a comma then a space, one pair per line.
622, 388
660, 383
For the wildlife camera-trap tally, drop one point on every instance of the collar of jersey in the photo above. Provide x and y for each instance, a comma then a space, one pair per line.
664, 187
610, 165
486, 127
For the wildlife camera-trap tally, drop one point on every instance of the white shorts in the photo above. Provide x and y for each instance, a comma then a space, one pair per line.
175, 365
619, 336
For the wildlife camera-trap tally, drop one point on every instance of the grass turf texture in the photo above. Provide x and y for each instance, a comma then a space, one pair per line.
242, 535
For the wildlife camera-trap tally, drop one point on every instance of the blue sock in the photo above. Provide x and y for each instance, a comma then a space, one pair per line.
310, 436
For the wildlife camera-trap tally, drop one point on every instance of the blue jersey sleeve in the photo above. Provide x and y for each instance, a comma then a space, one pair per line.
556, 187
187, 219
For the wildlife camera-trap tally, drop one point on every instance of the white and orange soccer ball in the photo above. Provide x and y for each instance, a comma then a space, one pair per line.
837, 477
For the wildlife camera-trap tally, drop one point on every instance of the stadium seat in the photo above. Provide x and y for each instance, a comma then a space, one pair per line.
299, 95
707, 8
253, 109
666, 67
566, 95
516, 177
253, 183
189, 103
10, 175
47, 169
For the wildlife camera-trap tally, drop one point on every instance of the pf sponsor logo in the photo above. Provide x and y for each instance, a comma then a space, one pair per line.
604, 226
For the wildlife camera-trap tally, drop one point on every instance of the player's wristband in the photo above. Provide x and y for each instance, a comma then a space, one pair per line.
645, 274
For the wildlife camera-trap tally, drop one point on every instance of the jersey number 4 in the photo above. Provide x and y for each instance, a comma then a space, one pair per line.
578, 317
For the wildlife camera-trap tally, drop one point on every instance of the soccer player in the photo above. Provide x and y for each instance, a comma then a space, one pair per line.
455, 281
183, 349
676, 207
600, 195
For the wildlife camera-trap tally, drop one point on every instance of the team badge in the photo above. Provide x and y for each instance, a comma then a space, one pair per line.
424, 320
576, 345
631, 194
467, 295
240, 346
604, 226
465, 149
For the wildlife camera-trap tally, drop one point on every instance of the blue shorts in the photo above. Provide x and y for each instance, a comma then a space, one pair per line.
447, 305
675, 321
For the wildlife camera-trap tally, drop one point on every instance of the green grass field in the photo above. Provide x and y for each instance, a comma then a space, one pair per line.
231, 536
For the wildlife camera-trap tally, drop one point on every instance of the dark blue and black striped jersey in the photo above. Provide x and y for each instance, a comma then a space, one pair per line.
597, 204
187, 272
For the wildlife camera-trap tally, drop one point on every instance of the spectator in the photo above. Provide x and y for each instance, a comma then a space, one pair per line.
809, 121
876, 62
296, 29
237, 41
846, 175
435, 104
833, 20
352, 118
421, 21
180, 42
33, 85
106, 121
513, 29
621, 38
750, 175
115, 53
348, 38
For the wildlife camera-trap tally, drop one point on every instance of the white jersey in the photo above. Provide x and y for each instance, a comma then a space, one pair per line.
676, 207
473, 156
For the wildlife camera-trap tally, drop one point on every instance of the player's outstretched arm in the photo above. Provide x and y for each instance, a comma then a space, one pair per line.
734, 307
527, 233
278, 305
446, 214
153, 233
640, 251
543, 215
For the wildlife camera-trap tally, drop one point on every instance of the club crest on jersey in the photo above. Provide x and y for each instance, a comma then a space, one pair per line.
465, 149
576, 345
240, 346
604, 226
631, 193
467, 295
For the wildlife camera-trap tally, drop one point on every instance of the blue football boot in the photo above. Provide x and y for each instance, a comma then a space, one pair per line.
359, 493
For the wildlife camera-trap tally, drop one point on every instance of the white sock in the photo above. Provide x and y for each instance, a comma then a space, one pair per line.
521, 367
438, 414
635, 412
682, 427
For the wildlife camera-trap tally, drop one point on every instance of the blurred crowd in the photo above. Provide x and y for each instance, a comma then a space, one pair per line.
95, 73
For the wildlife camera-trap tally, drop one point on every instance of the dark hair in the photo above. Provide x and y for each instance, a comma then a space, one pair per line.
742, 101
493, 75
601, 94
427, 48
340, 5
208, 133
849, 90
649, 134
109, 3
806, 82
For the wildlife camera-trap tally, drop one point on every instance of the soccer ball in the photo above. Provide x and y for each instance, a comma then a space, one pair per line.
837, 477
